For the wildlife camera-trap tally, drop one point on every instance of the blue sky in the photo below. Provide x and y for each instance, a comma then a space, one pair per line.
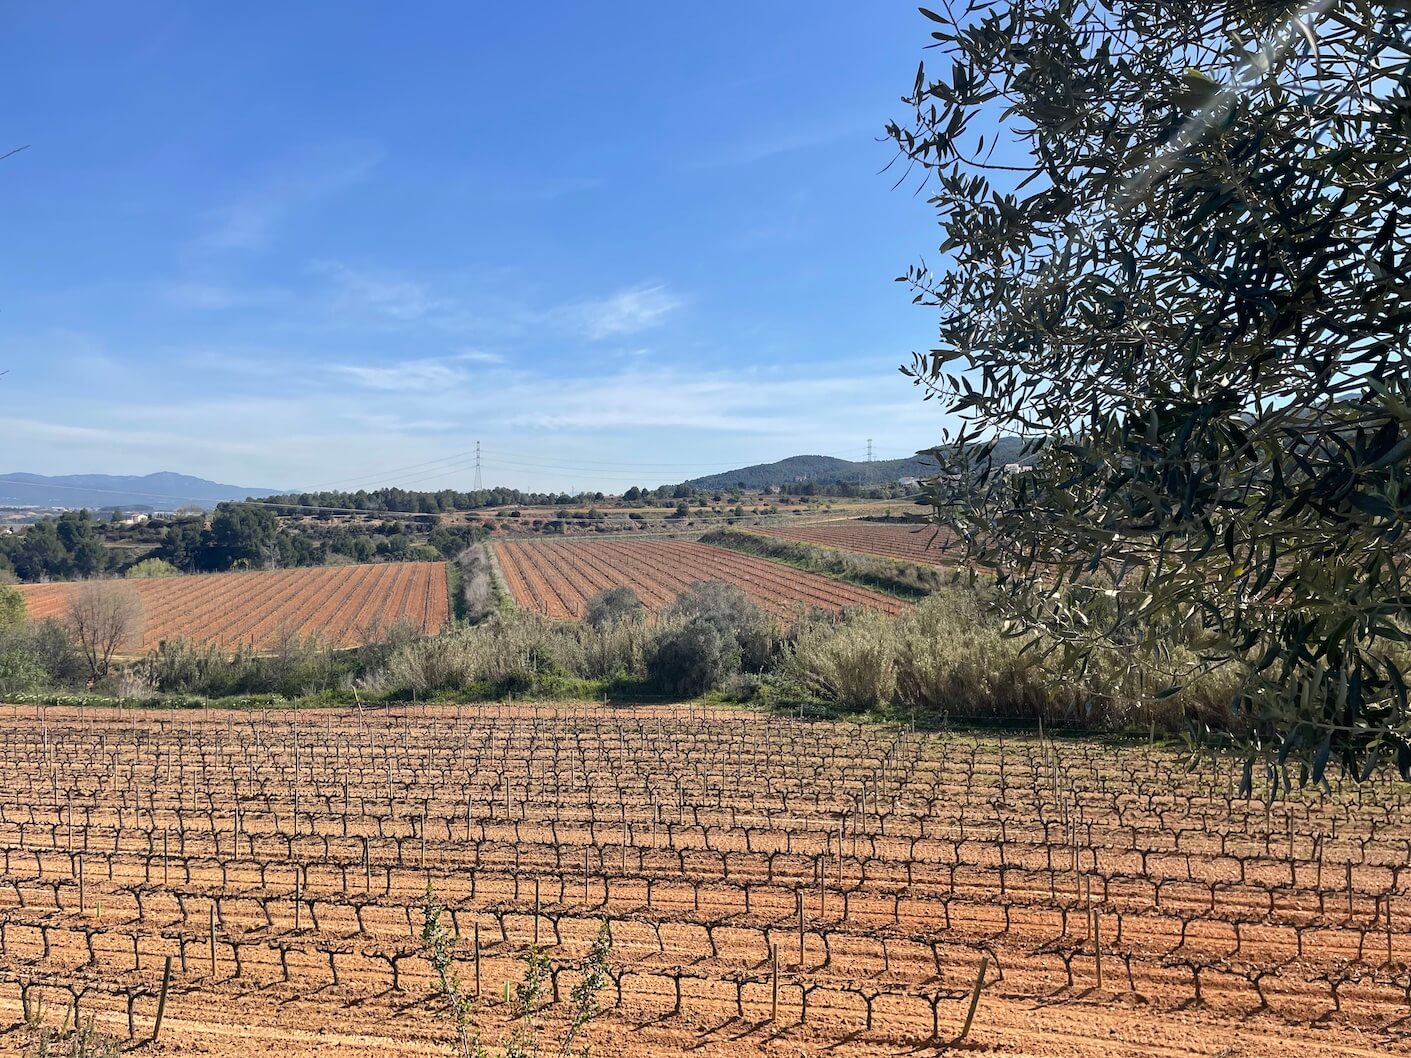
295, 244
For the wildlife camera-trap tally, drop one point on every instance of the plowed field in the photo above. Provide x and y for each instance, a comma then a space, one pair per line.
342, 605
557, 579
907, 543
773, 887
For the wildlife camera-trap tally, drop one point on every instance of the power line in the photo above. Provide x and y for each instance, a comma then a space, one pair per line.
456, 457
452, 463
489, 456
576, 463
341, 510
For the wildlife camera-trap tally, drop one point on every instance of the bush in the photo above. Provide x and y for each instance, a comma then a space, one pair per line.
292, 667
693, 658
742, 687
852, 662
477, 593
12, 608
179, 666
614, 604
946, 655
38, 654
152, 567
297, 665
732, 614
515, 652
952, 657
21, 671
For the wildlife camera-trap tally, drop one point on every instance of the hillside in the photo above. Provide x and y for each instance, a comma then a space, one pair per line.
163, 491
828, 470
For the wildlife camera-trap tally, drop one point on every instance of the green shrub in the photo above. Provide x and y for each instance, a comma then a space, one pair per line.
514, 652
733, 615
614, 604
291, 667
40, 654
12, 608
693, 658
21, 671
852, 662
954, 658
475, 599
152, 567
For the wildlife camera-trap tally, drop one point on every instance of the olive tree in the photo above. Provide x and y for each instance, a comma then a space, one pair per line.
613, 604
1175, 258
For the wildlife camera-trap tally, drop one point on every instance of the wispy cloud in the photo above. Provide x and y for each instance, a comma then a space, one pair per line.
336, 421
249, 220
629, 311
157, 444
379, 293
764, 146
397, 424
227, 363
633, 398
434, 374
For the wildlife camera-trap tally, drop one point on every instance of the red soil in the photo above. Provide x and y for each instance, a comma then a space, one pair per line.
558, 578
1226, 927
342, 605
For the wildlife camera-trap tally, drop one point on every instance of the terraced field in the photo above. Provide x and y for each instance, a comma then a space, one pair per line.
342, 605
558, 578
907, 543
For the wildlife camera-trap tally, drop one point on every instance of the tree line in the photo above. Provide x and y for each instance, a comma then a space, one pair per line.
405, 501
76, 546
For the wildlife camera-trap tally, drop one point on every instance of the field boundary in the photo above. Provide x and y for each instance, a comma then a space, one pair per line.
838, 563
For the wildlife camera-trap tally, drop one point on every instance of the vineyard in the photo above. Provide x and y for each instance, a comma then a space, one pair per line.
342, 605
766, 881
557, 579
906, 543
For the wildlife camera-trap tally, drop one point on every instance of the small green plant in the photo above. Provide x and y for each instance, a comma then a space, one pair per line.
526, 998
523, 1040
439, 944
584, 997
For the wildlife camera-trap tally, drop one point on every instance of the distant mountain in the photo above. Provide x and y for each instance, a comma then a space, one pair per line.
828, 470
163, 492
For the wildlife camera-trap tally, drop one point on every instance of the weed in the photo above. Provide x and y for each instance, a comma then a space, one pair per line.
85, 1041
439, 944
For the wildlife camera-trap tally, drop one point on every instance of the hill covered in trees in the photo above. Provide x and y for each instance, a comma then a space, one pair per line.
829, 470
